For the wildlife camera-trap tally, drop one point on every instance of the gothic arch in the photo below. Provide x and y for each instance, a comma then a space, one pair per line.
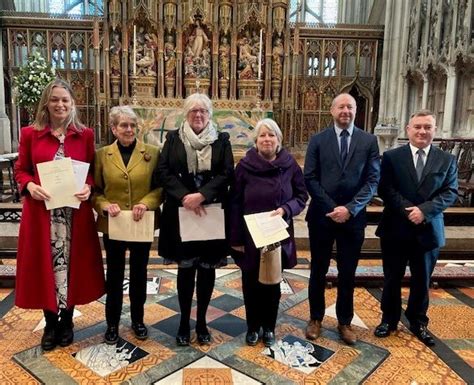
365, 103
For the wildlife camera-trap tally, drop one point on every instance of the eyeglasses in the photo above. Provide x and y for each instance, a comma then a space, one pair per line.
201, 111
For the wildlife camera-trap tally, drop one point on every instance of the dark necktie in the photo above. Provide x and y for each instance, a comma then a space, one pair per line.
419, 163
344, 135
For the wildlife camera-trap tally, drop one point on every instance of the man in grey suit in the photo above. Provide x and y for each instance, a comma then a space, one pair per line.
418, 182
341, 173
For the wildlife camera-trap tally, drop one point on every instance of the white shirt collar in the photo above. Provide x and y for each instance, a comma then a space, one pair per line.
415, 149
350, 130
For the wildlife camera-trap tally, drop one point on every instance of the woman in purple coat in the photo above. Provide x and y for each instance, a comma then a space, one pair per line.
266, 179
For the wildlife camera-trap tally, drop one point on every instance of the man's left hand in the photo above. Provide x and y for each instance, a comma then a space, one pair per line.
340, 214
415, 215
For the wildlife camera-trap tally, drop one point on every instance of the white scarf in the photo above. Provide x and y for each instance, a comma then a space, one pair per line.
198, 147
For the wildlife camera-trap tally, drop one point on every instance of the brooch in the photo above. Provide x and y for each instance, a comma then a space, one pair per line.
147, 157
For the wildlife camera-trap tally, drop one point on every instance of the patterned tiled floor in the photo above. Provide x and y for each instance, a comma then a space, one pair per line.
398, 359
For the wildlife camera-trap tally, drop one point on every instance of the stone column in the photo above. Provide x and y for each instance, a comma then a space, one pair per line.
392, 82
426, 84
404, 113
450, 102
5, 134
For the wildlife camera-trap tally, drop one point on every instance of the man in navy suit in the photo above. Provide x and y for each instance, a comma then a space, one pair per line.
418, 181
341, 172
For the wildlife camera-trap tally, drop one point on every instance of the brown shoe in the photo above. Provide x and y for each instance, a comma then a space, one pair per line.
313, 329
347, 335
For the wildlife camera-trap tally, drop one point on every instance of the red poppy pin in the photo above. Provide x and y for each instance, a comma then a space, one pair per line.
147, 156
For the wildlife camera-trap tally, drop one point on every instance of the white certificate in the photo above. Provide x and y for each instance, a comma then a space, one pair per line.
193, 227
123, 228
269, 224
57, 178
80, 174
265, 229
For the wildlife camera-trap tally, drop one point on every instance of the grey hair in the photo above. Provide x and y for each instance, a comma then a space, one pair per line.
423, 112
197, 98
118, 111
272, 126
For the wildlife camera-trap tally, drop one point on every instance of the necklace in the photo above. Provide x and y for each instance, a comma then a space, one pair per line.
58, 132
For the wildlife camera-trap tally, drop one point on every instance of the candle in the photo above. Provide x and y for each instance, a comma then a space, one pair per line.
260, 56
134, 50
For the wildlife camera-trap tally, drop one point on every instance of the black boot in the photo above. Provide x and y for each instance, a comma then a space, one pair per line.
48, 341
185, 286
204, 287
65, 327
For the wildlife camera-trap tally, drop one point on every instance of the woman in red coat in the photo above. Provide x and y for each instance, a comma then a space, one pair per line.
59, 261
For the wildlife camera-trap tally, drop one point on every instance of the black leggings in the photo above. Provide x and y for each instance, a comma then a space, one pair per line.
205, 285
261, 302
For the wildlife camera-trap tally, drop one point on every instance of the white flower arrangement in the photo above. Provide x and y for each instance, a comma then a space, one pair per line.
31, 80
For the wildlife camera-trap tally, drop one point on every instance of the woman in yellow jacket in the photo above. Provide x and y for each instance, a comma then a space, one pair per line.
123, 181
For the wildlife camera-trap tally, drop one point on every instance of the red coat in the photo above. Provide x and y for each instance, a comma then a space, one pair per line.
35, 287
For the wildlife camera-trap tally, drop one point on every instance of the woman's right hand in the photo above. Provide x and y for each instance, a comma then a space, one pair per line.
113, 209
37, 192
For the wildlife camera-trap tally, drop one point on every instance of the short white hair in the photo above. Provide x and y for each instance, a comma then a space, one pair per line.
197, 98
118, 111
272, 126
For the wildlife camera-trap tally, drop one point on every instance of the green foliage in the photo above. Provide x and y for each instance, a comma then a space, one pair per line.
31, 81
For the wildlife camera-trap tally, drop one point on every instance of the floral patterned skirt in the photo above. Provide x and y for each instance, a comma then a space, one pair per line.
61, 220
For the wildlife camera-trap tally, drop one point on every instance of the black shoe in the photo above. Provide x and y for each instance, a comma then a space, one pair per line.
65, 333
251, 338
48, 341
421, 332
384, 329
140, 330
183, 339
111, 335
204, 338
268, 338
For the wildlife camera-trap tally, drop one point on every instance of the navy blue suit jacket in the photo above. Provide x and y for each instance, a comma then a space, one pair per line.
399, 188
331, 184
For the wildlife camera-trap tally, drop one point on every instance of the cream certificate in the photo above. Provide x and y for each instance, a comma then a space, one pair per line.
124, 228
57, 178
193, 227
265, 229
80, 174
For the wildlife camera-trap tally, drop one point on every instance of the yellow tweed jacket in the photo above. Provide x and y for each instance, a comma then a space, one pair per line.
126, 186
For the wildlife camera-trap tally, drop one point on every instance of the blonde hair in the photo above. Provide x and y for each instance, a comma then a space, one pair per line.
42, 114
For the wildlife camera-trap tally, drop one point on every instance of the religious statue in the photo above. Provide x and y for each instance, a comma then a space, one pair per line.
200, 39
197, 56
170, 57
224, 59
115, 51
248, 64
146, 47
277, 59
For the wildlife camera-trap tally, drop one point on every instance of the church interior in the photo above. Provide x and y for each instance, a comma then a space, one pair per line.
284, 59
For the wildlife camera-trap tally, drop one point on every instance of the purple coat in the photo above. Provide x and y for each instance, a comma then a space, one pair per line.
260, 186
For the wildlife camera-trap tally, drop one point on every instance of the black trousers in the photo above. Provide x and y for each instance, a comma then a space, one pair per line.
261, 302
348, 244
396, 254
115, 255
